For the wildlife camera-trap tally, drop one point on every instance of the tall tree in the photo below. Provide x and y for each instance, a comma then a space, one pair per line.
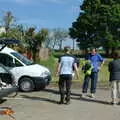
97, 24
31, 42
56, 37
41, 36
8, 21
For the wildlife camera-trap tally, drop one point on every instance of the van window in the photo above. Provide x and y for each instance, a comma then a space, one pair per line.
6, 60
2, 70
5, 76
22, 58
17, 63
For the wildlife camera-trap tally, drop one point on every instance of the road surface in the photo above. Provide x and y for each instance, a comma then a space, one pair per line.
43, 105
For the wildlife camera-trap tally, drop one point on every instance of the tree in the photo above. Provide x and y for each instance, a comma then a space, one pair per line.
41, 36
8, 21
56, 37
84, 28
30, 42
97, 24
35, 40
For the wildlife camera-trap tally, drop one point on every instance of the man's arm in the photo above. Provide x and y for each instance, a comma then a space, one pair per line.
76, 70
58, 67
101, 60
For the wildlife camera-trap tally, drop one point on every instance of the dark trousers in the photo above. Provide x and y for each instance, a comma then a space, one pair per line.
94, 79
65, 82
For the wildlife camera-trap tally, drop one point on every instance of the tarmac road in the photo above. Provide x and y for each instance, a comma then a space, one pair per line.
43, 105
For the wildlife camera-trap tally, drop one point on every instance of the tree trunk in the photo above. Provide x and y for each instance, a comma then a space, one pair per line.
60, 45
107, 51
73, 44
112, 50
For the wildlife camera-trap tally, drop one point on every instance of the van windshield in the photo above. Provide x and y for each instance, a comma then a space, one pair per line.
22, 58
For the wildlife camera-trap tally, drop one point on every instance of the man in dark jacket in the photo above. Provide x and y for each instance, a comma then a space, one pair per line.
114, 69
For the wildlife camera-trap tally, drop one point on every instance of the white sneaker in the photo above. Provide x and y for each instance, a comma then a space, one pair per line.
84, 95
91, 95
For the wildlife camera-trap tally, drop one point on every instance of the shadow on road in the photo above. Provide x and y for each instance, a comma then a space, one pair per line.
91, 100
39, 99
57, 92
2, 101
74, 96
51, 91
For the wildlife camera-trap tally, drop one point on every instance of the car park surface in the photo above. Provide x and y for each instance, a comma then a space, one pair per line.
44, 105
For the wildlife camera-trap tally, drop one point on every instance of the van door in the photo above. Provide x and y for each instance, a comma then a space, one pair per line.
6, 60
5, 75
12, 64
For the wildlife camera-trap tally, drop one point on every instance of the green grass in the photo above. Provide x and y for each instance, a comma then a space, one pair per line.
51, 64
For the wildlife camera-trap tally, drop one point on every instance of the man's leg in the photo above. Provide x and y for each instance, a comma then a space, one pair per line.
94, 79
118, 90
114, 92
61, 89
68, 88
85, 84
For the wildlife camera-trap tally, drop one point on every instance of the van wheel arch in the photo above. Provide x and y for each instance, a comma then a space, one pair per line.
22, 84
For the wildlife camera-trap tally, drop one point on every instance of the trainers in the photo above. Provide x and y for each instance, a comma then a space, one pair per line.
60, 102
114, 103
68, 102
84, 95
91, 95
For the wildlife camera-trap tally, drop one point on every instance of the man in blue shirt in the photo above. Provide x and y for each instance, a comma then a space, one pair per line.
65, 66
96, 61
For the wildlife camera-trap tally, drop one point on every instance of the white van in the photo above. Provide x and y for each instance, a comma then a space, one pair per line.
28, 76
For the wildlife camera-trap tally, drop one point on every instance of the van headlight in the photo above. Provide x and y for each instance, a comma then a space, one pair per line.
44, 74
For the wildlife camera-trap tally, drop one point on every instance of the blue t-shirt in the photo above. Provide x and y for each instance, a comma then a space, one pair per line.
96, 60
66, 64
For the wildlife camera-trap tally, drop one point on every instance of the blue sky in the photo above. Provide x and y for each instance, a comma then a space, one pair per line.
43, 13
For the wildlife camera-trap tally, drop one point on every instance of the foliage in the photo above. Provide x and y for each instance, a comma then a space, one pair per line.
97, 25
56, 37
50, 63
41, 36
8, 20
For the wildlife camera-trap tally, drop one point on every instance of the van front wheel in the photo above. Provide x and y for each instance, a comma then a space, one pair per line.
26, 84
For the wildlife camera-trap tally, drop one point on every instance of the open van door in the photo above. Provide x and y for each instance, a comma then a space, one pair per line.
6, 41
7, 82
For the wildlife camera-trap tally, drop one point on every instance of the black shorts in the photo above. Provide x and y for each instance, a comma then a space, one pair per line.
66, 77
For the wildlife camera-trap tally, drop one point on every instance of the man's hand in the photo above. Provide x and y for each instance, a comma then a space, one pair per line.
57, 74
99, 68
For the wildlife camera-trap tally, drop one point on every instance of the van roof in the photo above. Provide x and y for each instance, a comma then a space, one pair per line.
7, 50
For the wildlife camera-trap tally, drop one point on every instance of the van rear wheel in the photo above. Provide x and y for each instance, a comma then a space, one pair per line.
26, 84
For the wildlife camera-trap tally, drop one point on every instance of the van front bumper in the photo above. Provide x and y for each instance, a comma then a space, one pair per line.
41, 82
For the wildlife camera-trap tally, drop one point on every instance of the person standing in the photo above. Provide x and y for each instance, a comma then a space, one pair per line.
114, 78
94, 62
64, 71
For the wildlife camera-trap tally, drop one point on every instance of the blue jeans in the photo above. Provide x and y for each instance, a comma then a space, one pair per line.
94, 79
